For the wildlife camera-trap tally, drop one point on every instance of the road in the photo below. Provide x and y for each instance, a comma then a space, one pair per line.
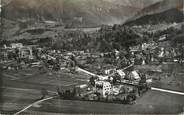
34, 104
90, 29
167, 91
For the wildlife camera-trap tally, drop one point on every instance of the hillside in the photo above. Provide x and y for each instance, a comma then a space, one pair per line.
75, 12
168, 16
159, 7
166, 8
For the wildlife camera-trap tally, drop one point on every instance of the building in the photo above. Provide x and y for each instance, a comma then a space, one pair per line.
133, 75
3, 54
110, 71
103, 87
121, 73
16, 45
26, 52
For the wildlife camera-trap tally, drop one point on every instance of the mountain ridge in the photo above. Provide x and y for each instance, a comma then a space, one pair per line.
172, 15
76, 12
158, 7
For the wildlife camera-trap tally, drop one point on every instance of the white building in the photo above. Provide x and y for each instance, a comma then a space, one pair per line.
16, 45
121, 73
161, 53
26, 52
110, 71
133, 75
103, 87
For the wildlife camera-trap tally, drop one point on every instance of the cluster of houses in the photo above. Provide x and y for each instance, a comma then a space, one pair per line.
16, 50
153, 52
115, 86
30, 55
111, 84
146, 53
33, 55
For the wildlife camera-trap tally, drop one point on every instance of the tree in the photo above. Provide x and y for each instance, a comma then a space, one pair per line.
92, 80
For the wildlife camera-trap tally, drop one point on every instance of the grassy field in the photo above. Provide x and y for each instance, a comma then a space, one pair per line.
152, 102
23, 87
171, 76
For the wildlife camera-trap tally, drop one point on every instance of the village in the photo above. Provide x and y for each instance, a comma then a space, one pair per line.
17, 56
113, 77
132, 70
91, 57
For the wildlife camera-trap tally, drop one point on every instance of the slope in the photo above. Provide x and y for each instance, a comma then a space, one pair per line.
75, 12
160, 7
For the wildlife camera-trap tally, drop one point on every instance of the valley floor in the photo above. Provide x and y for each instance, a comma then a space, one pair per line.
22, 88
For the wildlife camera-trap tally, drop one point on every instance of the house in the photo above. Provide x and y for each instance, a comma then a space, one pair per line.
133, 75
116, 89
3, 54
7, 54
121, 73
103, 87
110, 71
16, 45
161, 53
26, 52
135, 48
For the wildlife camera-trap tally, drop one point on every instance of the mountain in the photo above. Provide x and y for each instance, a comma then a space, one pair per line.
74, 12
168, 10
168, 16
134, 3
160, 7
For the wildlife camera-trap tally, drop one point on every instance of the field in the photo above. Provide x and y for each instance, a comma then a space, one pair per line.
151, 102
23, 87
